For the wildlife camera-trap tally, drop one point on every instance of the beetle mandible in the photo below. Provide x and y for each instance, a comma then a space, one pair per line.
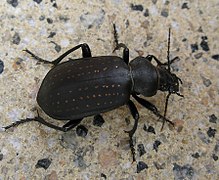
87, 86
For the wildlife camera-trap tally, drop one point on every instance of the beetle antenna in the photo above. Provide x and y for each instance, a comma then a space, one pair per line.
168, 63
115, 34
168, 50
165, 109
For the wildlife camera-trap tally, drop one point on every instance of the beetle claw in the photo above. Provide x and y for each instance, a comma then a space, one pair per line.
131, 145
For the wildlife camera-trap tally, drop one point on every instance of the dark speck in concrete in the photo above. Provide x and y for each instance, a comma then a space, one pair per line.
141, 166
54, 4
141, 149
79, 161
49, 20
194, 47
159, 166
98, 120
103, 175
1, 66
206, 81
183, 172
14, 3
215, 57
42, 17
138, 7
90, 20
164, 13
51, 34
57, 47
185, 6
127, 23
146, 12
215, 157
203, 137
154, 1
216, 148
63, 18
204, 43
212, 118
1, 157
167, 2
149, 129
80, 153
211, 132
81, 131
18, 61
196, 155
200, 29
204, 38
200, 12
37, 1
16, 39
43, 163
198, 55
156, 145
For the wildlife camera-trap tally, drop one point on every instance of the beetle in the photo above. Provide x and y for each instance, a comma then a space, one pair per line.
75, 89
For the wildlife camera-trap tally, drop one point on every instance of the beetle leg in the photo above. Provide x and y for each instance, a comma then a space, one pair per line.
115, 33
85, 53
42, 121
18, 123
125, 52
150, 57
171, 61
38, 119
71, 124
121, 45
151, 107
135, 115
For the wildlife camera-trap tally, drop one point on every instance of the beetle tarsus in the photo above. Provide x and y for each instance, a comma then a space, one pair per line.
42, 121
21, 121
131, 145
135, 115
71, 124
37, 57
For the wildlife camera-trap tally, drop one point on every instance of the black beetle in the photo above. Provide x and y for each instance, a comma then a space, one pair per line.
90, 85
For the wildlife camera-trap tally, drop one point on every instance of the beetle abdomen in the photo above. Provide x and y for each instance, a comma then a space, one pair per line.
84, 87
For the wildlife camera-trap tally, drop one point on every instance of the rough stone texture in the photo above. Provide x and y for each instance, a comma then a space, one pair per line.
194, 38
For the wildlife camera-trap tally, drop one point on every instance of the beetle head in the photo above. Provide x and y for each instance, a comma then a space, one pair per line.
169, 81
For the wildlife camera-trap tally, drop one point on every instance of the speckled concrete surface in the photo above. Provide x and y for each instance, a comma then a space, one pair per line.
33, 151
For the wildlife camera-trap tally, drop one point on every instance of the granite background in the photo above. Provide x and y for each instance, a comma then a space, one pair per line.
190, 151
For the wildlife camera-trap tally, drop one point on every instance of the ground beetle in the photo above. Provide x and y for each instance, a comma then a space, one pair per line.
90, 85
